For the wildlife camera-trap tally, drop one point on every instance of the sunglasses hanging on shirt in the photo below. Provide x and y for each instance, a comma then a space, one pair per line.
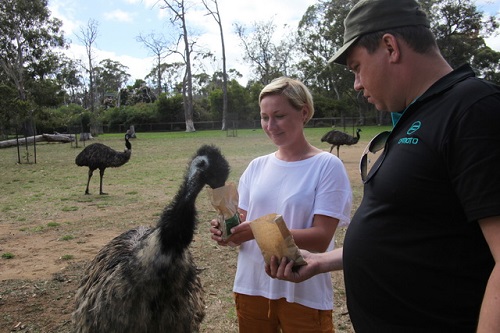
376, 144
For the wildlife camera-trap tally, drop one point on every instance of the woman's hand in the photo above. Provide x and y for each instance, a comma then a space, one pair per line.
217, 233
239, 234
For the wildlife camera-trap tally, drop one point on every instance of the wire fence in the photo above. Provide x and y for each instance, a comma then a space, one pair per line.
232, 125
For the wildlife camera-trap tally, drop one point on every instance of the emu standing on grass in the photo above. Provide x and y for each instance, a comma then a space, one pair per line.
99, 156
338, 138
145, 280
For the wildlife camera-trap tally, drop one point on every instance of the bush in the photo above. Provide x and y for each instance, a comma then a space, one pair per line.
170, 109
62, 119
139, 113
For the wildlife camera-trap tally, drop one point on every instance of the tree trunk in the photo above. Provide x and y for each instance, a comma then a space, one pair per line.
84, 136
190, 126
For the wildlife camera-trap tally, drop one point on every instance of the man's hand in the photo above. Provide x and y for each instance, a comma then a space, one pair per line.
283, 269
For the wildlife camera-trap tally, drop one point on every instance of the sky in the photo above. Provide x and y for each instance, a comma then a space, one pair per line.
120, 22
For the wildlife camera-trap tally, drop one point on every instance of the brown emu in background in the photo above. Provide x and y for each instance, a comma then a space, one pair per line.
99, 156
145, 280
338, 138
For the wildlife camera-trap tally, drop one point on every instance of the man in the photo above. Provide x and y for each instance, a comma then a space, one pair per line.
422, 253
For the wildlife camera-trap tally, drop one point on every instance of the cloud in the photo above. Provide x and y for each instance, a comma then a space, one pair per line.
121, 20
66, 12
138, 68
493, 42
119, 15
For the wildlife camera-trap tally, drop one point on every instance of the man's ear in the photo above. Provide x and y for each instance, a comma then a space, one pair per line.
392, 47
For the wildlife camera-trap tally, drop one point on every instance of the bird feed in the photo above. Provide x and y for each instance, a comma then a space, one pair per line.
274, 238
225, 201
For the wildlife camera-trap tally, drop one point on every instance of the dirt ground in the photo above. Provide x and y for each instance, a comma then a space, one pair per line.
37, 288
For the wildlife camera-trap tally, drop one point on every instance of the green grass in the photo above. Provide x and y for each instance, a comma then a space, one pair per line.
52, 190
7, 255
67, 257
69, 209
38, 228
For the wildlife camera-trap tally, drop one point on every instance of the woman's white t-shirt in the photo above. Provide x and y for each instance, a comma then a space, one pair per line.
298, 191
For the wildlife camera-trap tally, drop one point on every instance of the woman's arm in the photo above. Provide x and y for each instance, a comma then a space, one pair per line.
318, 237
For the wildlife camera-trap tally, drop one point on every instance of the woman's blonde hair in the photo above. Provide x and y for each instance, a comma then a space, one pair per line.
295, 92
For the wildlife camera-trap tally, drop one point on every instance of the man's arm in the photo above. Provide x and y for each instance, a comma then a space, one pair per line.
489, 318
317, 263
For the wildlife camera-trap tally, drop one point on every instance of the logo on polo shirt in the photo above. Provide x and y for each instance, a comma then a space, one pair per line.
411, 140
414, 127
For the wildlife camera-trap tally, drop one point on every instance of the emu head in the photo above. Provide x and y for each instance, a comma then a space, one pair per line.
127, 143
210, 166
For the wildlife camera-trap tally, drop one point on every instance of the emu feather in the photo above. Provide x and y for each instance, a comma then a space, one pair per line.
145, 280
99, 156
338, 138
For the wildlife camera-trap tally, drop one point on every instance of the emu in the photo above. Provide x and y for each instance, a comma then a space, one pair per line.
338, 138
99, 156
145, 279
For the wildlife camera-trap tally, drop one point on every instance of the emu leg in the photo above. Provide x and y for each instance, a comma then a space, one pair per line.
101, 173
338, 151
88, 181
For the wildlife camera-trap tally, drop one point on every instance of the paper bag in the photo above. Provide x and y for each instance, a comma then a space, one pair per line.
274, 238
225, 201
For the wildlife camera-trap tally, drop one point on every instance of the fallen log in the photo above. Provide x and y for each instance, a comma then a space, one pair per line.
64, 138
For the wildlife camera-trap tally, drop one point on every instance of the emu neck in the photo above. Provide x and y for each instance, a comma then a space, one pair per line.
178, 220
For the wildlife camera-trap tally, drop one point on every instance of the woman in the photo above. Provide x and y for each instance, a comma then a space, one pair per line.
311, 190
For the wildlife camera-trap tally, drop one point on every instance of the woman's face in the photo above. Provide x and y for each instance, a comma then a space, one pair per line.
280, 121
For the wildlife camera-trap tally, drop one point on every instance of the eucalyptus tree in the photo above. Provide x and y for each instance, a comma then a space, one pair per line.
88, 36
216, 15
28, 37
171, 76
157, 44
320, 35
178, 8
71, 80
460, 29
8, 108
268, 58
488, 61
110, 77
